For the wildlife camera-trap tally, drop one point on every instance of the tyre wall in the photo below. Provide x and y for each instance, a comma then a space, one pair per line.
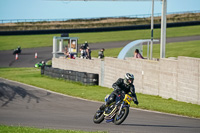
82, 77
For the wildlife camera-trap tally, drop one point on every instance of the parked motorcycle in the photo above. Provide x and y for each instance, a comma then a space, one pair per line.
17, 51
116, 112
39, 64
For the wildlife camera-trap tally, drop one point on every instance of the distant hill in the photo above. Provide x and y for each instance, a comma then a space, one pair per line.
95, 23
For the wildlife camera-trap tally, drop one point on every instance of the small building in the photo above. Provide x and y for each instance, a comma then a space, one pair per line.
60, 43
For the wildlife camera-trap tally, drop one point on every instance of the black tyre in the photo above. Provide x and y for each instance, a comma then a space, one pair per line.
92, 79
98, 117
119, 118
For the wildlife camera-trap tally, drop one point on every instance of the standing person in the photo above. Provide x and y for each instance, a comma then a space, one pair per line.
82, 52
66, 52
122, 87
88, 52
101, 54
137, 54
86, 45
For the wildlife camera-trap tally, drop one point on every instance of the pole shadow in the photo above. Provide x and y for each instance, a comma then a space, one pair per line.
9, 93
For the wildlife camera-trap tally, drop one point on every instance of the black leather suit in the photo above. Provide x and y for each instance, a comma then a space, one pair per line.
121, 88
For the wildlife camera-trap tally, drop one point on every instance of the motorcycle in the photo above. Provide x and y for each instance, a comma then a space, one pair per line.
39, 64
17, 51
116, 112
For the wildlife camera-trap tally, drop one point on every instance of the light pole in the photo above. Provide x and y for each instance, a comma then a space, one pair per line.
163, 29
152, 15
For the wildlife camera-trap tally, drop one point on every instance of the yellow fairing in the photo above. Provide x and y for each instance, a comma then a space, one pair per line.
128, 99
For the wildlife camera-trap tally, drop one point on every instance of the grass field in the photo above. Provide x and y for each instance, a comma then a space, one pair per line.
189, 49
32, 76
31, 41
19, 129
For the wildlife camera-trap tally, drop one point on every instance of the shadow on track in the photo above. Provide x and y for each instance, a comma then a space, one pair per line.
8, 93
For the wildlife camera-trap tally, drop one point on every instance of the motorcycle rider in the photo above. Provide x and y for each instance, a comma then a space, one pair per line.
122, 87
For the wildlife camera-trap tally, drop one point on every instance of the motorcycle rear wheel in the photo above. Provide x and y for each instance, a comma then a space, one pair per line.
119, 118
98, 117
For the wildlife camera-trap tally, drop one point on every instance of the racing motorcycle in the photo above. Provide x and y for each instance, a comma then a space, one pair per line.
116, 112
17, 51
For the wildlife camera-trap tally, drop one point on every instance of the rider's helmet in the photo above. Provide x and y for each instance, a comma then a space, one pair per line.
128, 77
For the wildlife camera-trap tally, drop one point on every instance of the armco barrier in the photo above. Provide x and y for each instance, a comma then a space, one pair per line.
83, 77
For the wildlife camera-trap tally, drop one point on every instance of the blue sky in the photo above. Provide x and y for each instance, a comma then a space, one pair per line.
50, 9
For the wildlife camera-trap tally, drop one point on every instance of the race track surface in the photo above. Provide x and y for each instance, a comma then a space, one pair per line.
30, 106
27, 57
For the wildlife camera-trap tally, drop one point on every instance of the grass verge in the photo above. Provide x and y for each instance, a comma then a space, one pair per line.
189, 49
32, 76
15, 129
32, 41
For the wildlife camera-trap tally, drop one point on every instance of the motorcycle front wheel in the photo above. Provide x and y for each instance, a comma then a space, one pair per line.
119, 118
98, 117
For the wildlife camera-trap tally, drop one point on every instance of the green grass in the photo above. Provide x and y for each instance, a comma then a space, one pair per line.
32, 76
19, 129
189, 49
31, 41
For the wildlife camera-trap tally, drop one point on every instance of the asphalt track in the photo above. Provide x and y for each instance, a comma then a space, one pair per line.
26, 105
27, 57
31, 106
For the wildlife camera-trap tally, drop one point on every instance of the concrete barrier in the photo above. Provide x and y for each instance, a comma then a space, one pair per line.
178, 79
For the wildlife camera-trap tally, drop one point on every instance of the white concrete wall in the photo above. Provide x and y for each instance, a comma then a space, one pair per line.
178, 79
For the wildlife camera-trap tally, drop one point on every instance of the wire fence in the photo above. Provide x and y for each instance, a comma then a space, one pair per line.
2, 21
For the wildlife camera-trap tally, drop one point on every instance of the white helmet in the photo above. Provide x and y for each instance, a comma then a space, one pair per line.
127, 77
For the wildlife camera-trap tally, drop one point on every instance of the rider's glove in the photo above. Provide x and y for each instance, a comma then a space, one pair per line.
136, 102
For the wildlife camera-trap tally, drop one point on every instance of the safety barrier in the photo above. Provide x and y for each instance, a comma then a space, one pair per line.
83, 77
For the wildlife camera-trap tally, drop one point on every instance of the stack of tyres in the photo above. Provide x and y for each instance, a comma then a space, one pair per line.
55, 73
61, 73
48, 70
73, 75
83, 77
91, 79
66, 74
94, 79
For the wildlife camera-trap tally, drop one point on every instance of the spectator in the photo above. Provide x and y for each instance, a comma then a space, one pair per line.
86, 45
101, 54
71, 56
88, 53
138, 55
66, 52
83, 52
